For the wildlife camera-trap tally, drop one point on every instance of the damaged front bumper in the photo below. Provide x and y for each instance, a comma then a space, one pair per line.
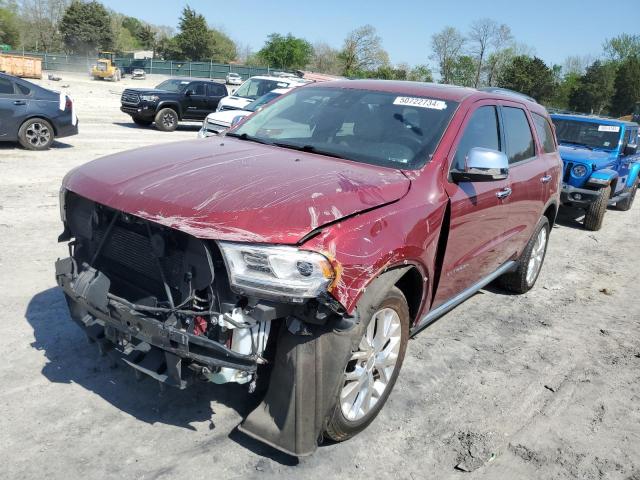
147, 344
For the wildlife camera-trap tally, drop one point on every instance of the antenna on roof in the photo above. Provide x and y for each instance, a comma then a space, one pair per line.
506, 91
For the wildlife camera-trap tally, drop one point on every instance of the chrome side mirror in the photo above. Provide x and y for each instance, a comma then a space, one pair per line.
483, 165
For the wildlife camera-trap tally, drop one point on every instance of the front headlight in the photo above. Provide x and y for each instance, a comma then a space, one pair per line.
579, 171
272, 271
150, 98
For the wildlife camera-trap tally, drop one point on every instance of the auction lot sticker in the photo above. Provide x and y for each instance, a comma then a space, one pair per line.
608, 128
421, 103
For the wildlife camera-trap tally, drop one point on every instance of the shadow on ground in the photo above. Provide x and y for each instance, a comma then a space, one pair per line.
56, 145
73, 359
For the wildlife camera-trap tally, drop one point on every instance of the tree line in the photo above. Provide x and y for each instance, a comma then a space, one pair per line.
486, 55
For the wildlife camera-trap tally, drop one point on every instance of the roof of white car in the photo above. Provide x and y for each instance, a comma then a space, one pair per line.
279, 79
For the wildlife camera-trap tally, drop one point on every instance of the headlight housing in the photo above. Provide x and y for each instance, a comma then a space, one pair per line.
150, 98
276, 272
579, 171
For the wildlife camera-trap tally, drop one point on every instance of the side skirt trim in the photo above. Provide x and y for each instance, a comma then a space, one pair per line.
450, 304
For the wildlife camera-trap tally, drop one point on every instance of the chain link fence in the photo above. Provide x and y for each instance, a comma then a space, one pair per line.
78, 63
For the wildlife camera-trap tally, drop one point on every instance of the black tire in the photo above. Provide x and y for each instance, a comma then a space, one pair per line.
167, 120
141, 121
339, 428
626, 204
519, 281
595, 213
36, 134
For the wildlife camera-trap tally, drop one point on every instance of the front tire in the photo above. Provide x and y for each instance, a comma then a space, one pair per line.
372, 370
530, 262
36, 134
166, 120
595, 213
626, 204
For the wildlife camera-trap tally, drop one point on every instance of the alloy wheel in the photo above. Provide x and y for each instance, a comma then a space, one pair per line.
371, 367
38, 134
537, 256
168, 120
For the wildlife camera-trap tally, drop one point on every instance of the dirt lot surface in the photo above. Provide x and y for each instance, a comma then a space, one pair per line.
542, 386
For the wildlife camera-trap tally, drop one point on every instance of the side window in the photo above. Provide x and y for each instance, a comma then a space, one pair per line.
6, 87
198, 87
216, 90
481, 131
545, 134
24, 90
519, 139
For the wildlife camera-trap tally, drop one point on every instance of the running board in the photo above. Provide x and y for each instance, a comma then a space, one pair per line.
622, 196
449, 305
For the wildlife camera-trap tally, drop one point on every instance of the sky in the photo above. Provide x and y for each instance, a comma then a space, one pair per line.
555, 29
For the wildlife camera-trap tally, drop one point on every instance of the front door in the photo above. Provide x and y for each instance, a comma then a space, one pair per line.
478, 209
215, 93
196, 101
13, 108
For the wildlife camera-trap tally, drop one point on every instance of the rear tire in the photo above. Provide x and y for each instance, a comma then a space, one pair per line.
36, 134
627, 203
166, 120
530, 262
595, 213
368, 379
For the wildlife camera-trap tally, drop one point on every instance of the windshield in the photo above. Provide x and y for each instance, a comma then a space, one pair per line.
587, 134
173, 85
255, 87
365, 126
263, 100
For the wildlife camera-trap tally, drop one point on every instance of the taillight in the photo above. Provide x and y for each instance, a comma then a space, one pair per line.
69, 104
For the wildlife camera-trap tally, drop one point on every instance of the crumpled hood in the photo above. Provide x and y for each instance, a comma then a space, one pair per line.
584, 155
236, 190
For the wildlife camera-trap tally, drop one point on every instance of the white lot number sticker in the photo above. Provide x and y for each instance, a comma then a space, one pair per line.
421, 103
608, 128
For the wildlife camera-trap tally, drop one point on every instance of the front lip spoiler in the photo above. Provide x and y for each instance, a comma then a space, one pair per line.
132, 336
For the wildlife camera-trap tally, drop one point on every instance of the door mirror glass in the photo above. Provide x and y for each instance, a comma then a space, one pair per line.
483, 165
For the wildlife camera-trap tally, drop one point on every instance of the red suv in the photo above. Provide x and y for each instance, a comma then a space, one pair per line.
298, 253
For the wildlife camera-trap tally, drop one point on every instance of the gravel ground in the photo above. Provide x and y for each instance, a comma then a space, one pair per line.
541, 386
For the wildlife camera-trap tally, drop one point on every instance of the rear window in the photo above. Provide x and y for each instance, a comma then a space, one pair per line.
519, 139
545, 134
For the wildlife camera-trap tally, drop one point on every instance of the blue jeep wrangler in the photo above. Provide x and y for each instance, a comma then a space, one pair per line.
601, 164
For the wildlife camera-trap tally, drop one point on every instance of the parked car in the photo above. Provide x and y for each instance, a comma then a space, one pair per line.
218, 122
601, 164
253, 89
301, 253
32, 115
233, 78
138, 74
174, 100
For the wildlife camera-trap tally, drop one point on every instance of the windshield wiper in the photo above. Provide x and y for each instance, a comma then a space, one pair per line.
244, 136
310, 149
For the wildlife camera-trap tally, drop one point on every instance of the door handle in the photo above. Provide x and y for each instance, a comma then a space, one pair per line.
546, 179
20, 102
504, 193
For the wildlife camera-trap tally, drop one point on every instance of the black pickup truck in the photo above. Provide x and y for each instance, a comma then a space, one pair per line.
172, 101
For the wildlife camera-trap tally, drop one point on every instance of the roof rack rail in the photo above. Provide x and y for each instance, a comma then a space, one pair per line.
506, 91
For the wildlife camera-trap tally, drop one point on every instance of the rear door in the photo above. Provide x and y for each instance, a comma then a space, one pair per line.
215, 93
14, 105
528, 178
474, 246
196, 103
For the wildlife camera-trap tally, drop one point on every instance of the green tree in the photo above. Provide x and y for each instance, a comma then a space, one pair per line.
446, 47
167, 48
420, 73
362, 51
86, 27
594, 89
627, 87
564, 89
9, 24
528, 75
223, 49
622, 47
194, 39
463, 71
146, 36
286, 52
132, 24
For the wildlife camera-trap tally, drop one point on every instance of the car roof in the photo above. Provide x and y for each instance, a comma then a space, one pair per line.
279, 79
435, 90
593, 118
193, 79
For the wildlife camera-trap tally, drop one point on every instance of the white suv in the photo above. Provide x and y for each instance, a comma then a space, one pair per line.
233, 78
254, 88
